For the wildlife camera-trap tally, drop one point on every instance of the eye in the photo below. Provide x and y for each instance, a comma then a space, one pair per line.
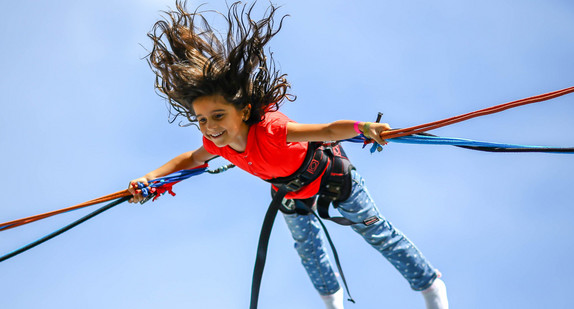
218, 116
202, 120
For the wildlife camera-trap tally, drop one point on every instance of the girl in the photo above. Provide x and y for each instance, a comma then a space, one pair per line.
231, 89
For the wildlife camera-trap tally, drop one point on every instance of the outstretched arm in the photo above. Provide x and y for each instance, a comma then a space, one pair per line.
334, 131
184, 161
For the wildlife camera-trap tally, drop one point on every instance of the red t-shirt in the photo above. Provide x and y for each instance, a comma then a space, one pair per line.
268, 155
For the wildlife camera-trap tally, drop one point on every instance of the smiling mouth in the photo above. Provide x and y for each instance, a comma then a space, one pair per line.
216, 135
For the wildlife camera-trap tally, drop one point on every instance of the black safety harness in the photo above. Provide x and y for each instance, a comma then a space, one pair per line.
323, 159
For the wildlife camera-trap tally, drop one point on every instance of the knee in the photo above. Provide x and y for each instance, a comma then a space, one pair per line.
381, 234
307, 242
301, 234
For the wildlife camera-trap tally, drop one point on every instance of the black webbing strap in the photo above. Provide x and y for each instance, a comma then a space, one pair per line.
331, 190
323, 210
337, 187
313, 165
335, 254
263, 244
316, 161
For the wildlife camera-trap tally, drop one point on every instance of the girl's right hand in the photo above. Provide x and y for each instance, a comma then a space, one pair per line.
135, 191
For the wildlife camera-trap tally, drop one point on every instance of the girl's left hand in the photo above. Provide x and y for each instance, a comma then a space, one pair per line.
133, 189
374, 131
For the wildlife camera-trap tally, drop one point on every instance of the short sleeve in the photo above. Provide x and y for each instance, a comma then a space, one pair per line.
275, 127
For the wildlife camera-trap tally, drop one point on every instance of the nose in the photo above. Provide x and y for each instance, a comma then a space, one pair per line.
209, 125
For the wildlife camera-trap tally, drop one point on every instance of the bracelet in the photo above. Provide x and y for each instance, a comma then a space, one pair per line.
356, 127
366, 129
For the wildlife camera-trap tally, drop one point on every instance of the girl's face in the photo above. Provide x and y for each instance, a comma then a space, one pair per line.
222, 123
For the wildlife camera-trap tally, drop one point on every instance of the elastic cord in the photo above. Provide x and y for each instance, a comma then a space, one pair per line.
486, 111
64, 229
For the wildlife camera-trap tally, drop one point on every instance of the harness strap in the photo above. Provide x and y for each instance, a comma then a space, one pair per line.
329, 161
335, 254
337, 187
314, 164
316, 161
263, 244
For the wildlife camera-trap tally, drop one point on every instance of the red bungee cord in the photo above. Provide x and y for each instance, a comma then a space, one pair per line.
487, 111
157, 187
15, 223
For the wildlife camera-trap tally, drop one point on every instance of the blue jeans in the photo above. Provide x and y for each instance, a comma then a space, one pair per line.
394, 246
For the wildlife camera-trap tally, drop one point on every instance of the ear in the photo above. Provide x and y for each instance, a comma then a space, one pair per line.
246, 112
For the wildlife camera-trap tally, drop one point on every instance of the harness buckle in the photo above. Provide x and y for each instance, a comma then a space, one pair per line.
294, 184
289, 204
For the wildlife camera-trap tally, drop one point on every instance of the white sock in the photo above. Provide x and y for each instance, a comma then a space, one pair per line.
435, 295
334, 301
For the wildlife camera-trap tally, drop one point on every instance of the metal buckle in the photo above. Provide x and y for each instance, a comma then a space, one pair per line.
294, 185
289, 204
147, 198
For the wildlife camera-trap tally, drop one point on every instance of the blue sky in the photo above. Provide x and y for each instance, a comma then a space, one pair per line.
80, 119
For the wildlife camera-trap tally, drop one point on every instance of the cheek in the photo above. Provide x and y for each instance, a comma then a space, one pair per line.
201, 128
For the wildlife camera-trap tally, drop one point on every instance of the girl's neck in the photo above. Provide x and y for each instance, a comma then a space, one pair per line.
240, 143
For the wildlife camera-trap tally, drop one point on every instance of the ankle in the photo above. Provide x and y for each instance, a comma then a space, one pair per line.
334, 301
435, 295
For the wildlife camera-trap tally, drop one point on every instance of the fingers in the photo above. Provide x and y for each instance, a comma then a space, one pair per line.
378, 129
386, 126
136, 194
131, 187
134, 188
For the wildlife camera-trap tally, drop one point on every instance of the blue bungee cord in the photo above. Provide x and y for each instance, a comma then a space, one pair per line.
429, 139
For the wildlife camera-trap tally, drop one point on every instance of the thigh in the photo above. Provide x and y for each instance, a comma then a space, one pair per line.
385, 238
306, 231
303, 228
360, 205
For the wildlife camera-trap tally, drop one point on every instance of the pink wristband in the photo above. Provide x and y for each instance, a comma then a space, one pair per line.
356, 127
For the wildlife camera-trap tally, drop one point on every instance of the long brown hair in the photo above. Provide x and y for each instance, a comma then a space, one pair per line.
190, 59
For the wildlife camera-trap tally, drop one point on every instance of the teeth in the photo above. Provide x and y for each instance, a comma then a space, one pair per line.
217, 134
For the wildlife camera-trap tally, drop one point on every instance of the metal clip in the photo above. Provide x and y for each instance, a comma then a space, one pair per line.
147, 198
294, 185
289, 204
